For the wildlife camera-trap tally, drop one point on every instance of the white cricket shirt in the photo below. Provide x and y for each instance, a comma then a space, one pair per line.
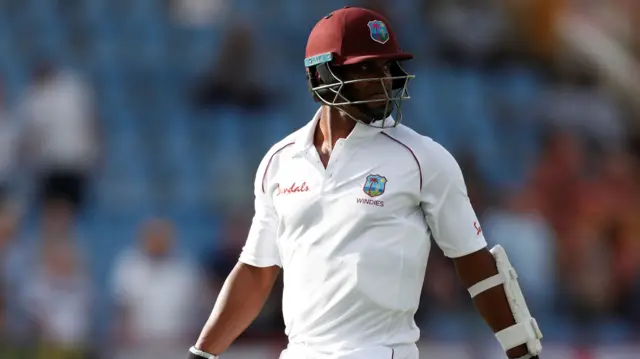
353, 239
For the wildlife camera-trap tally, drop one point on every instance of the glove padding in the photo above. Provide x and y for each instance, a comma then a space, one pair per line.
195, 356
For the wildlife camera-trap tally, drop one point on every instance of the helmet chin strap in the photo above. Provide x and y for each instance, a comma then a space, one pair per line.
330, 133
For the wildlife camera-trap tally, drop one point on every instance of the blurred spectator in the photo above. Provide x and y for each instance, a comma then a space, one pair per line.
586, 257
11, 279
537, 23
196, 13
620, 177
571, 225
20, 252
234, 234
59, 302
470, 32
611, 16
158, 296
562, 163
3, 310
233, 81
525, 234
577, 103
223, 259
444, 305
9, 143
8, 224
57, 222
478, 192
62, 134
586, 203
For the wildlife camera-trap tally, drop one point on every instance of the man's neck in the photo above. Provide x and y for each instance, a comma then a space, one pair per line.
333, 125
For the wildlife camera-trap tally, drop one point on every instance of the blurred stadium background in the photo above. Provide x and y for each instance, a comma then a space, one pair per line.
130, 131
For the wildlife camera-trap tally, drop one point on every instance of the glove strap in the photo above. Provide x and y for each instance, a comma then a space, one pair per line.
529, 356
196, 353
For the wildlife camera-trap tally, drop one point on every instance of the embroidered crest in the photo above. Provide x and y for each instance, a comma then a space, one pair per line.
378, 31
375, 185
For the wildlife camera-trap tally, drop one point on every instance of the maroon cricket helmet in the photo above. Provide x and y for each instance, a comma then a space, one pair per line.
349, 36
354, 35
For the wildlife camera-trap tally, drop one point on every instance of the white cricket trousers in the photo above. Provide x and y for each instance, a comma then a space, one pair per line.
398, 352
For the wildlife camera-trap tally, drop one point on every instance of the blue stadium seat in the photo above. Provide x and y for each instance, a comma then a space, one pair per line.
6, 33
150, 9
520, 84
52, 41
199, 51
113, 104
178, 147
188, 192
276, 126
142, 44
14, 79
247, 8
91, 10
467, 124
103, 54
198, 235
39, 11
124, 194
517, 91
425, 111
226, 131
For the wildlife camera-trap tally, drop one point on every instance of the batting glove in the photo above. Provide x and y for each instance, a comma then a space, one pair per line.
195, 353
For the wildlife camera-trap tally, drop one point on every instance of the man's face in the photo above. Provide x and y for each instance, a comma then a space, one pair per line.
377, 90
57, 219
60, 259
157, 238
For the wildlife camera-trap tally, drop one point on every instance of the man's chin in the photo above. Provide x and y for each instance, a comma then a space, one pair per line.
380, 112
372, 114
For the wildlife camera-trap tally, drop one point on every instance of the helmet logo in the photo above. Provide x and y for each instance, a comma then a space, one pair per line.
378, 31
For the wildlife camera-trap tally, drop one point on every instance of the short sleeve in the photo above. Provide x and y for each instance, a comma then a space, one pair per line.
445, 203
261, 248
123, 278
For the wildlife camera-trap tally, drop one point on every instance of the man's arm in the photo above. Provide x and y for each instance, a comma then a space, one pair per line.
248, 285
490, 279
492, 303
239, 303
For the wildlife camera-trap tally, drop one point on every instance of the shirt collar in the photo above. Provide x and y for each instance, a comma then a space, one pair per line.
304, 138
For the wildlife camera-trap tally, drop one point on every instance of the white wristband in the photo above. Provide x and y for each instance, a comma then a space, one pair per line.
199, 352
